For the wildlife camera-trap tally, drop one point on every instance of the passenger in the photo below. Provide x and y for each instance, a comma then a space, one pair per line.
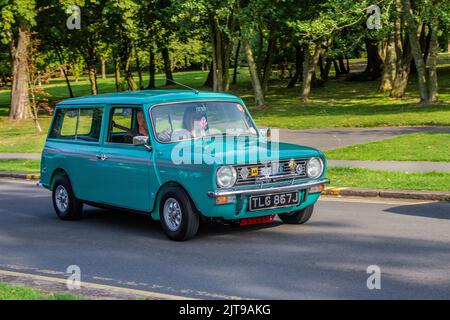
195, 122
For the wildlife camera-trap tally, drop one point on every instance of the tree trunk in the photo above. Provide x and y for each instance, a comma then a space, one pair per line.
325, 69
259, 94
413, 30
403, 54
129, 76
259, 50
103, 68
309, 67
63, 69
151, 70
221, 51
20, 100
117, 74
374, 61
138, 67
167, 66
337, 71
432, 61
389, 71
92, 73
299, 57
236, 61
217, 53
209, 82
91, 61
268, 62
342, 65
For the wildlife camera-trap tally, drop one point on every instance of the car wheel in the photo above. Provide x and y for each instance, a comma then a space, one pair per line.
66, 205
297, 217
178, 217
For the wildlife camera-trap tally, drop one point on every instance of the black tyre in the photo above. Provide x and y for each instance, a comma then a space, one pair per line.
297, 217
66, 205
177, 214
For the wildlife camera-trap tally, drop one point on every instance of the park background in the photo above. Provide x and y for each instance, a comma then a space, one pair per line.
298, 65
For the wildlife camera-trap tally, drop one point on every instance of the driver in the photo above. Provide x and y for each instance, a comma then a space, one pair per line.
142, 129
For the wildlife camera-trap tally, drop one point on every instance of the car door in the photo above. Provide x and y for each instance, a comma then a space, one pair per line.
87, 149
128, 178
74, 143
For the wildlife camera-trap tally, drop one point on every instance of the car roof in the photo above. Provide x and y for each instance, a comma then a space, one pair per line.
148, 96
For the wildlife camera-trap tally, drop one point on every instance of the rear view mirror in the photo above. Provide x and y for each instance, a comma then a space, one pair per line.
265, 132
142, 141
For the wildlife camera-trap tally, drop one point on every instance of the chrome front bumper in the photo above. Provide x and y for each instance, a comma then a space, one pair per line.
262, 190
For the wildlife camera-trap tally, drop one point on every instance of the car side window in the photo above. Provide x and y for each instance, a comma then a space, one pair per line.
77, 124
125, 123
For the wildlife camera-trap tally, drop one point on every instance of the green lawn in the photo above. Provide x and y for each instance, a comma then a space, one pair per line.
410, 147
20, 165
8, 292
378, 179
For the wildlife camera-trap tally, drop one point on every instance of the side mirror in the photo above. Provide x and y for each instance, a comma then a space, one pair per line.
265, 132
142, 141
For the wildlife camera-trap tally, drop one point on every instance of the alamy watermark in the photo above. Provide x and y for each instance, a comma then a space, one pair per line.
74, 20
374, 280
73, 282
374, 20
226, 147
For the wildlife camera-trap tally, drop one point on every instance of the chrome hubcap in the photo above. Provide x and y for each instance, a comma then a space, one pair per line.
61, 198
172, 214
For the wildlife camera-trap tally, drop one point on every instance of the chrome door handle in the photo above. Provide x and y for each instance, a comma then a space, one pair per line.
101, 157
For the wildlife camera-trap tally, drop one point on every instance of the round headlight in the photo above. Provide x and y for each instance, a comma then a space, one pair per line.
226, 177
314, 167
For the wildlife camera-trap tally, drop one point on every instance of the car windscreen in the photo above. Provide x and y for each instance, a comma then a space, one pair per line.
191, 120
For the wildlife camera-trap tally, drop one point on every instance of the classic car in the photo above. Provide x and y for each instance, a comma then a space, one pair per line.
180, 156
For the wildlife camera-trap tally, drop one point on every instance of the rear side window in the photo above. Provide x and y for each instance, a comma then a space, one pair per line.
77, 124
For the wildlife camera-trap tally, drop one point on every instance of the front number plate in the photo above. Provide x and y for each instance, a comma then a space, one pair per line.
273, 201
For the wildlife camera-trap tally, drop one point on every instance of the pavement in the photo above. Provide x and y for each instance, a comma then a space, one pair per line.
27, 156
327, 258
327, 139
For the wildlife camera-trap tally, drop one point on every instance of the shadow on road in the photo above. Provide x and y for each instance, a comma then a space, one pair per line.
436, 210
139, 223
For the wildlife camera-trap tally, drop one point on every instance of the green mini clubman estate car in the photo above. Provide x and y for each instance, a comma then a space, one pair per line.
180, 156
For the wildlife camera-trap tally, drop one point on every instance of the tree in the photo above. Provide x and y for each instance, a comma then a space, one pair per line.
122, 34
425, 14
51, 35
17, 18
86, 40
259, 95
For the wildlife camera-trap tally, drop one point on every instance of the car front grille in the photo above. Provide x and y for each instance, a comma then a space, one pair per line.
270, 172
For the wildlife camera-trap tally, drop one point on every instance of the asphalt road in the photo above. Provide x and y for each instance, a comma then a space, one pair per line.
324, 259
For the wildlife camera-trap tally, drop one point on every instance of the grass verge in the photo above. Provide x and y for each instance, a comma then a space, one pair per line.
379, 179
410, 147
20, 165
9, 292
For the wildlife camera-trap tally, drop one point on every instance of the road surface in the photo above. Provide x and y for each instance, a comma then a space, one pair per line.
324, 259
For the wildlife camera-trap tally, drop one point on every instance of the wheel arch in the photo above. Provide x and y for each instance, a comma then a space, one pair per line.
58, 172
160, 193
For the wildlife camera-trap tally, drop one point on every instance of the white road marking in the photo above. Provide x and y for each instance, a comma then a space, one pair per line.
90, 285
